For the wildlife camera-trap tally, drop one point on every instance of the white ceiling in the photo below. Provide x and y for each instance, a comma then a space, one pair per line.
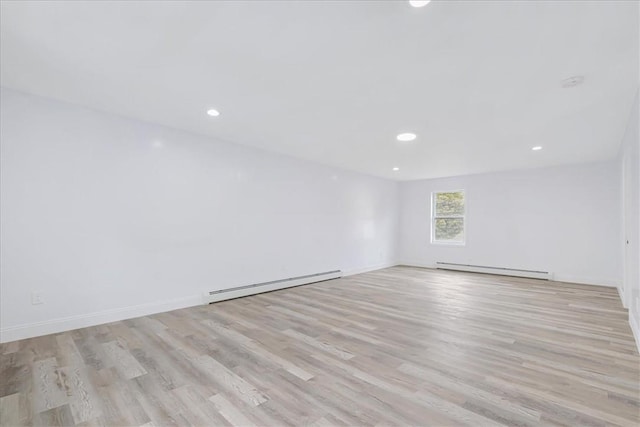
335, 81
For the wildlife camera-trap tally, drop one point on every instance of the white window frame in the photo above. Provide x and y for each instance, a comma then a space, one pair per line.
434, 217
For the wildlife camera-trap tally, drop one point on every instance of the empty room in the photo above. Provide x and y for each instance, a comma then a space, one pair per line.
319, 213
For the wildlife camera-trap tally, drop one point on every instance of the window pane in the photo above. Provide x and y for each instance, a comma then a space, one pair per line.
449, 229
449, 204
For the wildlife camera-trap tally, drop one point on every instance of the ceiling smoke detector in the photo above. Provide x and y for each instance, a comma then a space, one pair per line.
572, 81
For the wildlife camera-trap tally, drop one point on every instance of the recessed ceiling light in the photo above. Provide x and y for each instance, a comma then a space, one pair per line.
536, 148
396, 169
213, 113
406, 137
419, 3
572, 81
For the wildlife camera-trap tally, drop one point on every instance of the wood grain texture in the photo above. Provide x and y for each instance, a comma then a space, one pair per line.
399, 346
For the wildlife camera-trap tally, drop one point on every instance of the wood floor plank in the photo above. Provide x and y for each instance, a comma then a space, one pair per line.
324, 346
83, 400
200, 410
251, 345
49, 388
231, 382
230, 412
58, 416
124, 362
398, 346
10, 414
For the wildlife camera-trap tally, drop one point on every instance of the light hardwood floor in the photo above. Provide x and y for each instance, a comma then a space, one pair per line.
400, 346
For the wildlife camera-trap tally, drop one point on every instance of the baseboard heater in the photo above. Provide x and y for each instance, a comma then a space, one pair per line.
533, 274
257, 288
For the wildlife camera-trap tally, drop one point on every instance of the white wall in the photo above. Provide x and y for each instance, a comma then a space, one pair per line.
630, 167
111, 218
563, 219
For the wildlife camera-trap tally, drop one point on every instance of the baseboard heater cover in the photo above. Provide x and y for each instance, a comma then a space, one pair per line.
533, 274
257, 288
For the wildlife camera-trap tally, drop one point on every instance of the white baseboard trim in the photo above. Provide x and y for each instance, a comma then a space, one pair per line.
622, 296
635, 328
369, 268
418, 264
62, 324
595, 281
611, 283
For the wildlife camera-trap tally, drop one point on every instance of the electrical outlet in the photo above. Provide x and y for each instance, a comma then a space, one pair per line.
36, 298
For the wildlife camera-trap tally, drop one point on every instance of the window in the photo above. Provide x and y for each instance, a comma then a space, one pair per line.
447, 217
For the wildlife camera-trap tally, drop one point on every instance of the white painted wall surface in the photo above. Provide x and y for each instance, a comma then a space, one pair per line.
563, 219
630, 166
111, 218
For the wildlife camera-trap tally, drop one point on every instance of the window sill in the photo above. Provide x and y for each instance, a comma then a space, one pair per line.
449, 243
